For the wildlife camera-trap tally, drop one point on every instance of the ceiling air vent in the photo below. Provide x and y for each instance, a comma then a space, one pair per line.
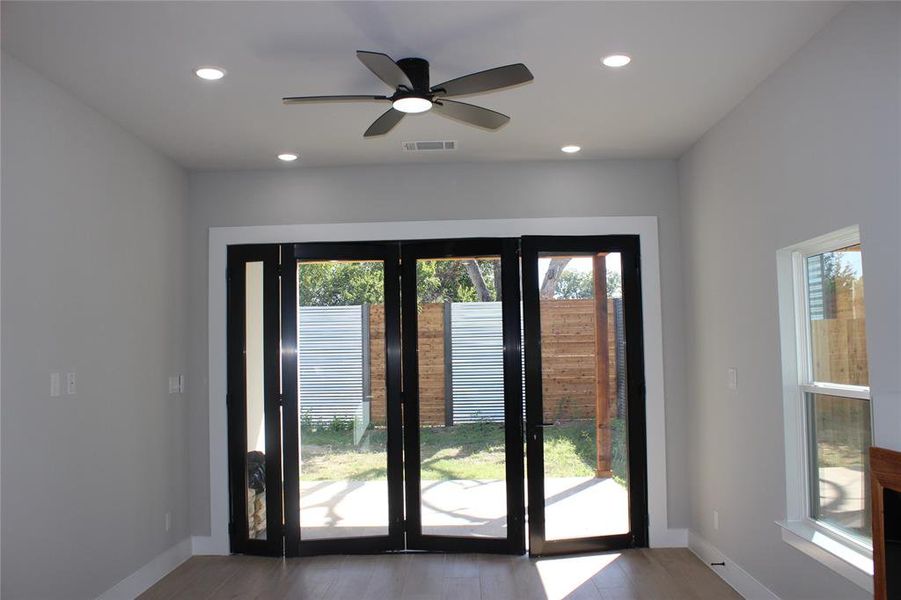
429, 146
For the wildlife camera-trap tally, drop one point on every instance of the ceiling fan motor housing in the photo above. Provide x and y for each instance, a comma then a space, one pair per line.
417, 69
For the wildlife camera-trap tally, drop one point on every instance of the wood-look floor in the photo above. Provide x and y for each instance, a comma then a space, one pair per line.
658, 574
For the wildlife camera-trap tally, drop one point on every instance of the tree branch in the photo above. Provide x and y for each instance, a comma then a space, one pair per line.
475, 274
554, 270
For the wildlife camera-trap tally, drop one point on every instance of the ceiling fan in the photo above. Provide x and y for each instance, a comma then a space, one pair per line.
409, 78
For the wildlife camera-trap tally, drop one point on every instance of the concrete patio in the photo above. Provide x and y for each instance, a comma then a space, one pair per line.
575, 507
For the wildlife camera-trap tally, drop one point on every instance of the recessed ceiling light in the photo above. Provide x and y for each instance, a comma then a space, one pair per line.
571, 149
617, 60
412, 104
287, 157
209, 73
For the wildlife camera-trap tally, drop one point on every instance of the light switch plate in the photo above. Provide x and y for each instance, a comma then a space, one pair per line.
70, 383
733, 378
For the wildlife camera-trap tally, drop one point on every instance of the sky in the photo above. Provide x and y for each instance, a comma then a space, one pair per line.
581, 264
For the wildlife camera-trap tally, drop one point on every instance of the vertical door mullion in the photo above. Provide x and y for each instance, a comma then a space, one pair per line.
235, 402
534, 402
290, 416
635, 390
272, 401
410, 350
510, 297
393, 396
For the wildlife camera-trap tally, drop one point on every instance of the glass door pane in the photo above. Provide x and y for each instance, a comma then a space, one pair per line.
341, 399
461, 397
341, 387
459, 394
584, 406
581, 490
255, 392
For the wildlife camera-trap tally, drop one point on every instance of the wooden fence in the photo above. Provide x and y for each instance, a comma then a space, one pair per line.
569, 361
839, 349
839, 354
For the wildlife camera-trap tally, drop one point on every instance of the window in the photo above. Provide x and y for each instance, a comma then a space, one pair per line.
835, 387
827, 395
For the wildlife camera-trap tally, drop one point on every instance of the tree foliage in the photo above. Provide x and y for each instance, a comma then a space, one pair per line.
340, 284
352, 283
838, 278
453, 281
577, 285
470, 280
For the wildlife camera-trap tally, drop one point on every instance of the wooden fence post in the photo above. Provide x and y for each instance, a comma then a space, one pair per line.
602, 355
367, 353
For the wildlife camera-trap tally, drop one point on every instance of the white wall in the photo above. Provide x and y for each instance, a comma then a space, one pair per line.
295, 195
813, 149
94, 282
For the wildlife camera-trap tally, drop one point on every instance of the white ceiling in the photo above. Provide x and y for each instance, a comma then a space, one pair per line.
133, 61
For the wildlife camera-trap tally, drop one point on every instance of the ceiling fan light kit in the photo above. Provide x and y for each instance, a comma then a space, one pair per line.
412, 104
409, 78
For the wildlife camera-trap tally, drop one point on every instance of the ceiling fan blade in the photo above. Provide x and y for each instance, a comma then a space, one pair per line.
385, 123
468, 113
485, 81
305, 99
385, 69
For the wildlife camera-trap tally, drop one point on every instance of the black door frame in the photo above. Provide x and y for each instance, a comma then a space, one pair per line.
506, 249
629, 248
388, 254
236, 401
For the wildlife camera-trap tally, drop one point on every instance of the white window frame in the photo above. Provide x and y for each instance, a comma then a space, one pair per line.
842, 553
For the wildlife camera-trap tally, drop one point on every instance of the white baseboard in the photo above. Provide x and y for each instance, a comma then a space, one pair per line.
206, 545
140, 581
670, 538
731, 573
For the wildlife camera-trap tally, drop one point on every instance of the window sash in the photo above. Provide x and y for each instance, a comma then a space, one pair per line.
858, 392
802, 325
812, 471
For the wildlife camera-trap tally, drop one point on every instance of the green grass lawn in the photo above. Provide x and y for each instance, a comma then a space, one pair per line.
465, 451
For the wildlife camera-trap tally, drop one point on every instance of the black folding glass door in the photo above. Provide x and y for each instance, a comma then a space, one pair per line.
585, 422
375, 396
462, 396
